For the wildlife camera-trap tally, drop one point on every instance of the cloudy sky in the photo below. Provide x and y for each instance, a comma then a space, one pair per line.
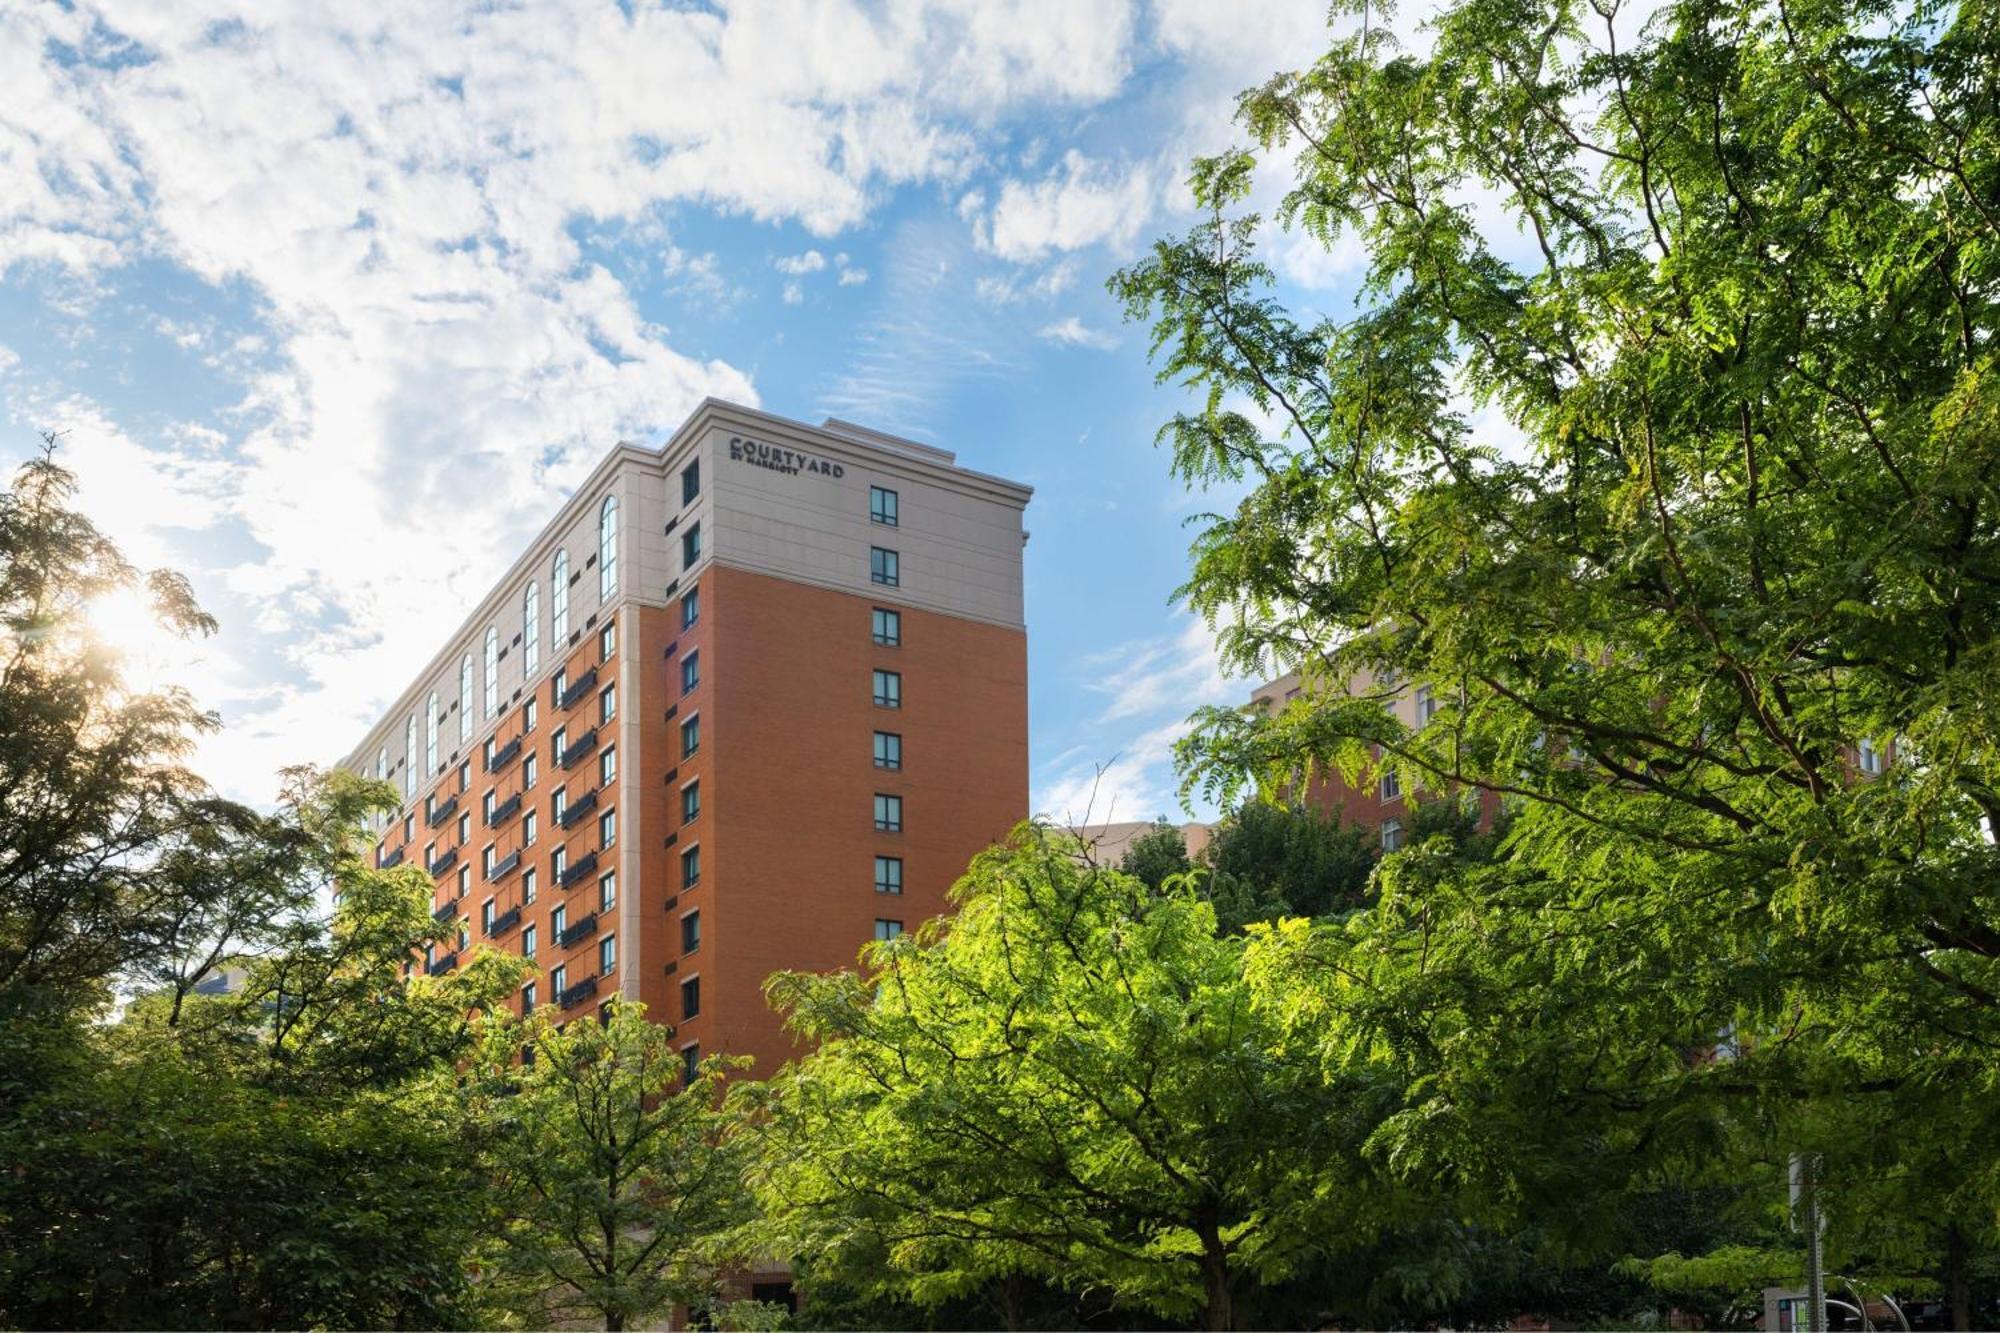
336, 301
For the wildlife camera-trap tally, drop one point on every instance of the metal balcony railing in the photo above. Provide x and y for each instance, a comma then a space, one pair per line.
578, 748
503, 867
443, 965
443, 810
504, 755
504, 811
445, 862
579, 870
578, 931
445, 913
578, 688
578, 808
394, 859
503, 923
577, 994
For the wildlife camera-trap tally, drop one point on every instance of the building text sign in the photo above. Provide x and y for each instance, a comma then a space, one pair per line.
788, 461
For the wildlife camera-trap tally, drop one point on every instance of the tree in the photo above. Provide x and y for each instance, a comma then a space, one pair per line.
1155, 855
1067, 1083
615, 1189
1733, 552
1271, 860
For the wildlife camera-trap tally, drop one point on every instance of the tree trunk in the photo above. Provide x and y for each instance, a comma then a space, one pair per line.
1957, 1281
1220, 1316
614, 1321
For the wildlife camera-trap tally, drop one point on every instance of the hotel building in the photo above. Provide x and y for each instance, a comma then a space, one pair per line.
751, 700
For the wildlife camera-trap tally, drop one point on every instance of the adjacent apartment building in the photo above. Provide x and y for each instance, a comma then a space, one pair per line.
751, 700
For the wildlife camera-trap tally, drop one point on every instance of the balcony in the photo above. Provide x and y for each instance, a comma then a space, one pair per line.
394, 859
580, 870
443, 810
579, 688
578, 993
445, 913
504, 756
503, 923
578, 932
443, 863
578, 748
503, 867
442, 965
577, 809
504, 811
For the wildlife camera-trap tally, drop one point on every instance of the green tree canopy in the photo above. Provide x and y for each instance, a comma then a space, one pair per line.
1067, 1082
1731, 551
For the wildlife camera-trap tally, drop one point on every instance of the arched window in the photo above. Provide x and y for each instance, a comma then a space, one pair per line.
559, 602
382, 764
465, 699
492, 671
531, 627
607, 548
431, 735
410, 758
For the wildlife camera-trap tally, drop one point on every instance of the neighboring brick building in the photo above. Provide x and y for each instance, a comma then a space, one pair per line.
749, 701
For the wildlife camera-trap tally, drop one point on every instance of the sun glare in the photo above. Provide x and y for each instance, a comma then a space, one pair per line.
151, 655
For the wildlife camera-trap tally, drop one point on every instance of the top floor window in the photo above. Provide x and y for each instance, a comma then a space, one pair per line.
607, 548
691, 546
559, 600
531, 627
410, 758
465, 699
690, 482
431, 735
882, 506
492, 671
885, 566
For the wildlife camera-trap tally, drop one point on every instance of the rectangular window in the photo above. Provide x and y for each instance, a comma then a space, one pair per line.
528, 714
558, 863
528, 885
691, 997
430, 854
607, 642
888, 813
691, 546
888, 689
607, 955
1871, 758
690, 867
486, 754
690, 482
607, 891
888, 750
558, 981
1390, 786
888, 627
558, 803
1392, 834
559, 922
531, 768
529, 826
558, 686
486, 859
607, 828
465, 828
486, 916
885, 567
690, 737
1426, 704
528, 998
690, 608
690, 802
486, 807
690, 672
465, 775
888, 874
690, 1062
527, 941
607, 703
882, 506
409, 827
886, 929
607, 767
691, 932
464, 880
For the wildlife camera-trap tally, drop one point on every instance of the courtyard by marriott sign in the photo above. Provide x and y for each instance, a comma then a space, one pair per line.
787, 461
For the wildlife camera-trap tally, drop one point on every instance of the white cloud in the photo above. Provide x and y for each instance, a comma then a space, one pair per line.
1049, 283
401, 192
812, 261
1082, 202
1073, 332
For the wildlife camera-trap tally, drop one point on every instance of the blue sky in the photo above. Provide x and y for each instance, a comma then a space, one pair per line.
335, 302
